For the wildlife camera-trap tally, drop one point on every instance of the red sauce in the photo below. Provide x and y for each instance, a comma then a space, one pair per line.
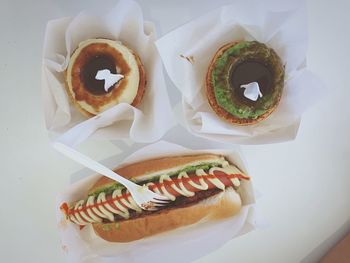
224, 178
64, 207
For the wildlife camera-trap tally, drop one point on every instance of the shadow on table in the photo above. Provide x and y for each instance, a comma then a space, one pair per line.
320, 251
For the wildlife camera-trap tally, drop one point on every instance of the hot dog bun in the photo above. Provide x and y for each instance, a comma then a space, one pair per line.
149, 168
223, 204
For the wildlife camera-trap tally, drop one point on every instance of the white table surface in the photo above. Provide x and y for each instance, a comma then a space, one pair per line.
304, 183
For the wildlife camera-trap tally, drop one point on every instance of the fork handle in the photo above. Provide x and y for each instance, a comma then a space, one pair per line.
90, 163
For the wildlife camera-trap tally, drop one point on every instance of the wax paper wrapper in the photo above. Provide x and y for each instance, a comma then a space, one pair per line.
150, 120
187, 51
193, 241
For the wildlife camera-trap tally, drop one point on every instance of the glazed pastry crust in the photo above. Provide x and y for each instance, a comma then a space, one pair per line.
99, 101
222, 113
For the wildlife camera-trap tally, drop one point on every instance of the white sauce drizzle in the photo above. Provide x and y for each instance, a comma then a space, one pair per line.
181, 184
124, 212
77, 217
89, 202
228, 169
126, 202
102, 198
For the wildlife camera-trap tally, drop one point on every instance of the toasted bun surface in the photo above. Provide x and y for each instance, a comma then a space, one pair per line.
222, 113
219, 206
152, 166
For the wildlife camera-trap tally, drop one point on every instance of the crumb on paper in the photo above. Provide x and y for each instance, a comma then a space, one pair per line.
65, 248
189, 58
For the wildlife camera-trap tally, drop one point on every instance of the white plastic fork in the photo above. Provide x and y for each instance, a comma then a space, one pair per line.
144, 198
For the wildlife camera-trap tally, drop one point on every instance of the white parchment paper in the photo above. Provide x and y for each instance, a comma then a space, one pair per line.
283, 30
146, 123
193, 241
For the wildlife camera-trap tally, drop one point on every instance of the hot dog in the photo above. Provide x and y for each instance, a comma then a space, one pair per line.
199, 186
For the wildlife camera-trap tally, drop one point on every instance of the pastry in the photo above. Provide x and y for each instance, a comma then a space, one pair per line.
102, 73
244, 82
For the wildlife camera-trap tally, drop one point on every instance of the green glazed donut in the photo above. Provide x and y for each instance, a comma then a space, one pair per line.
237, 67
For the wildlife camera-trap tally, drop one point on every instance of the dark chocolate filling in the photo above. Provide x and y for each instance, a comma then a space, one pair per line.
247, 72
90, 69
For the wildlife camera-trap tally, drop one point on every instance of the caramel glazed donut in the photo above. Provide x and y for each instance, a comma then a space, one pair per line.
244, 82
102, 73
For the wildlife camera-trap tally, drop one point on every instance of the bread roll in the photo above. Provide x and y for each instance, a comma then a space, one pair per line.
202, 187
219, 206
